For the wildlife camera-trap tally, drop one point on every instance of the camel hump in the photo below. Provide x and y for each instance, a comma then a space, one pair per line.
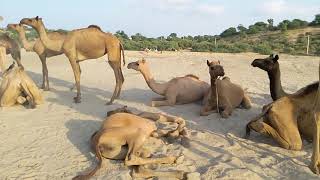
192, 76
94, 26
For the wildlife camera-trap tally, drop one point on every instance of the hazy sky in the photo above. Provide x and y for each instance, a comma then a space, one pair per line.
157, 17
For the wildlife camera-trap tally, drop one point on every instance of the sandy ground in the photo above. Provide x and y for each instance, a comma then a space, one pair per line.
52, 141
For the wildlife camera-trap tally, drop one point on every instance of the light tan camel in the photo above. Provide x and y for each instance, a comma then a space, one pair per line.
17, 88
229, 95
9, 46
83, 44
38, 47
122, 136
179, 90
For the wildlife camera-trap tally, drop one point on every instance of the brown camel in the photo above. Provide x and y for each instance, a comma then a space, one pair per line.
38, 47
315, 159
229, 95
179, 90
9, 46
271, 66
18, 88
122, 136
83, 44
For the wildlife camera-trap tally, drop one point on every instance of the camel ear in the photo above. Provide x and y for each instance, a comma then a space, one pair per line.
143, 60
208, 63
271, 55
275, 59
37, 18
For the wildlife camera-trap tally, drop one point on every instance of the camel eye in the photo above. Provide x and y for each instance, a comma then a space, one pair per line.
138, 64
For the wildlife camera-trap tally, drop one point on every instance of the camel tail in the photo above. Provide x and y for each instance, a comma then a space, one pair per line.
248, 129
123, 58
93, 171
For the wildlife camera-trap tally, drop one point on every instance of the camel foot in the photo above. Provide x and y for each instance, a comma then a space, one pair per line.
109, 103
314, 168
224, 115
77, 99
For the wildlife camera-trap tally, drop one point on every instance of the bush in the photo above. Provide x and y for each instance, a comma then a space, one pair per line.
263, 48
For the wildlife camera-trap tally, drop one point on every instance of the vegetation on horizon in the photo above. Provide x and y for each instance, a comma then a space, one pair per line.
261, 37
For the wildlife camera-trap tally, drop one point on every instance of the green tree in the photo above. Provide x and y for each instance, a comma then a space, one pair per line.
270, 26
316, 21
229, 32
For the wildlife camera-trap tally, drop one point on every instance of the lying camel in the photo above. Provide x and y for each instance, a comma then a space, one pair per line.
122, 136
271, 66
229, 95
179, 90
18, 88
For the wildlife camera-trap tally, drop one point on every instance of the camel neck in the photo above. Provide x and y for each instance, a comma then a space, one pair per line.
50, 44
158, 88
276, 89
27, 45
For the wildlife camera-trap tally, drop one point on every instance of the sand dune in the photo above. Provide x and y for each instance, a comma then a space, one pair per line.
52, 141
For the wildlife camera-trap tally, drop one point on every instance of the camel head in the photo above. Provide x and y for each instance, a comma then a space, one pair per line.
15, 27
140, 65
33, 22
215, 69
267, 64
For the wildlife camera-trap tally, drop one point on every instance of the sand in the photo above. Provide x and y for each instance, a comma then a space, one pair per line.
52, 141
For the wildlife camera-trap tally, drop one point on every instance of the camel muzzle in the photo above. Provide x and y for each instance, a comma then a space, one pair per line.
255, 63
132, 65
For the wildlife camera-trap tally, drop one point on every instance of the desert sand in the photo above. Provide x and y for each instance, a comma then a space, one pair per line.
52, 141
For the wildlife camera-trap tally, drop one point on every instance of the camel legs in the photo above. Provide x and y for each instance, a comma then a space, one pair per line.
116, 66
2, 58
266, 129
29, 98
45, 78
207, 109
76, 71
315, 159
170, 100
246, 102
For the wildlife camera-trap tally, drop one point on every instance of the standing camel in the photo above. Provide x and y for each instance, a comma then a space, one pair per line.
83, 44
38, 47
9, 46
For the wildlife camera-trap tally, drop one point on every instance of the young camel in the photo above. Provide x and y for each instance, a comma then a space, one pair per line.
83, 44
224, 95
18, 88
9, 46
38, 47
179, 90
122, 136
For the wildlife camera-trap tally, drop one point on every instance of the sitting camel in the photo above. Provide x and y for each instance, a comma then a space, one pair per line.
122, 136
179, 90
271, 66
224, 95
17, 88
291, 117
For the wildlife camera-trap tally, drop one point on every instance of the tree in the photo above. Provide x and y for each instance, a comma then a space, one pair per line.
122, 34
241, 28
138, 37
316, 21
283, 26
270, 26
229, 32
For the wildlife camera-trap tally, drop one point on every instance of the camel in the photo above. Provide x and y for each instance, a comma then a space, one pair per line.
9, 46
315, 159
38, 47
223, 94
83, 44
179, 90
122, 136
18, 88
271, 66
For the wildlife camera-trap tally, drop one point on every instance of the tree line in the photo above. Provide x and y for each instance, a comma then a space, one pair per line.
260, 37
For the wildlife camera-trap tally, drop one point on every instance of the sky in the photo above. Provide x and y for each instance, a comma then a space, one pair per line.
155, 18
